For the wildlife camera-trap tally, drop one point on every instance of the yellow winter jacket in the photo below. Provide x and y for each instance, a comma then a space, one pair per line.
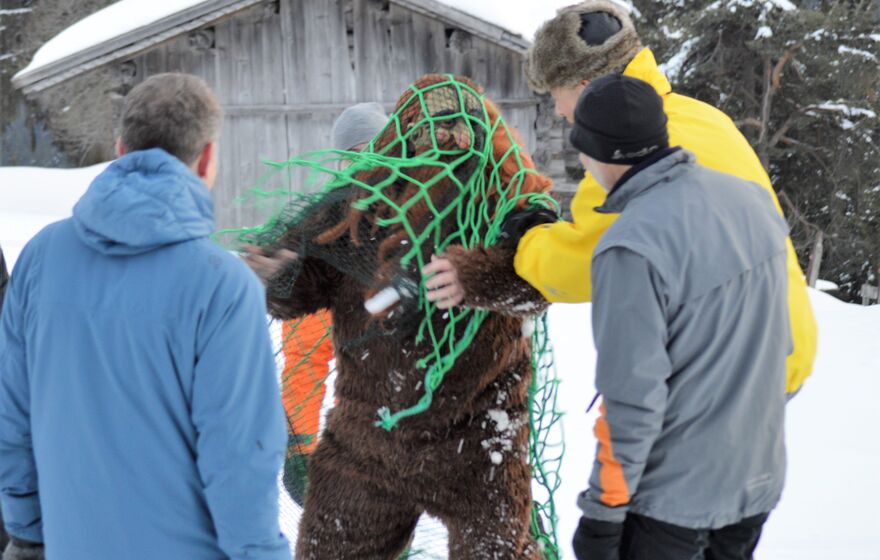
556, 258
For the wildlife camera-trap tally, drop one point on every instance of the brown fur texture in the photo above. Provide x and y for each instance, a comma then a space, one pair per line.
559, 57
367, 487
465, 459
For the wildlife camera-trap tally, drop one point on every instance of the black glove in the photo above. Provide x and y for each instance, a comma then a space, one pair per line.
597, 540
18, 549
518, 223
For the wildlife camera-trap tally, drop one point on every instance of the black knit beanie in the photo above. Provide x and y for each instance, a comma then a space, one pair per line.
619, 120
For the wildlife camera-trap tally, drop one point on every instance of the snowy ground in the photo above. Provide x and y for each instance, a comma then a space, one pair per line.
829, 507
828, 510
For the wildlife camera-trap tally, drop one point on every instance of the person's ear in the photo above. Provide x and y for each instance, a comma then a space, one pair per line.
120, 149
204, 163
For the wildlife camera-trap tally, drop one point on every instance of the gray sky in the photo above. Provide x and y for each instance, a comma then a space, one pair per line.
521, 16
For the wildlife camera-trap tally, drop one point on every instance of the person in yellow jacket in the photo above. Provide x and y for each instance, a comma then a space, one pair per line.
582, 43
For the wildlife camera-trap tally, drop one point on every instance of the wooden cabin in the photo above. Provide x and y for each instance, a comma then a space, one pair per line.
285, 69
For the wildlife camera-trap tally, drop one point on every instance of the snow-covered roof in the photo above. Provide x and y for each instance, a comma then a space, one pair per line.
129, 27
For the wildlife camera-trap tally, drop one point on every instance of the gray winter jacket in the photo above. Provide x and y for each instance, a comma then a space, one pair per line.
691, 327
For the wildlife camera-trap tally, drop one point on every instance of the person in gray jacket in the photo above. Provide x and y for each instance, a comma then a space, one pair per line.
692, 332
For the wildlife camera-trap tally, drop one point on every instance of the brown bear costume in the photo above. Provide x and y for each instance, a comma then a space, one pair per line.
464, 460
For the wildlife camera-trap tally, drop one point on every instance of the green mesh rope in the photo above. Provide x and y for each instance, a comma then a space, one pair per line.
441, 134
546, 441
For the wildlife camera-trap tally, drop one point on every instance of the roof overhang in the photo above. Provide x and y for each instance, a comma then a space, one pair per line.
132, 43
128, 44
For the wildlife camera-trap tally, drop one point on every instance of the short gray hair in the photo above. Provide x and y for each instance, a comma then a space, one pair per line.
176, 112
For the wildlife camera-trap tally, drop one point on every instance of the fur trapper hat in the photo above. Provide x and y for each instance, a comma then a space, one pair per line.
560, 57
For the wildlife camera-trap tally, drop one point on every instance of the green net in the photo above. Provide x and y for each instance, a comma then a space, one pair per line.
445, 171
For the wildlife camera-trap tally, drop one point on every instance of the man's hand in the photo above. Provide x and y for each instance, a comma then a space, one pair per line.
267, 266
444, 288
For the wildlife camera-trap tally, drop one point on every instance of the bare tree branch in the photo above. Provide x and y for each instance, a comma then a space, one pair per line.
748, 121
779, 134
780, 66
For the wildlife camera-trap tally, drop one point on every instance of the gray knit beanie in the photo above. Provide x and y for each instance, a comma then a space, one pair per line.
358, 125
562, 56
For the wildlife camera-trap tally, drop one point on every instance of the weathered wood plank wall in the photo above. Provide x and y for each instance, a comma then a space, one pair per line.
284, 70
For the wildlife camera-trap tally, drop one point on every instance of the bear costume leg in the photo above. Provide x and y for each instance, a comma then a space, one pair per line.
346, 517
500, 530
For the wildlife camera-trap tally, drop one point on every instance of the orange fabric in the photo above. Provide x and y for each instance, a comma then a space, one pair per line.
614, 490
307, 353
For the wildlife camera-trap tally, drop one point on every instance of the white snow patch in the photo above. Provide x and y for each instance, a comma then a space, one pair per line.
32, 198
764, 32
501, 419
843, 49
672, 67
765, 5
674, 35
846, 110
816, 35
496, 457
837, 404
116, 19
15, 11
826, 286
528, 327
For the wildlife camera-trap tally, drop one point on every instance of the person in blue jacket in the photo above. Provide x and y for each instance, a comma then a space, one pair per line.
4, 279
140, 415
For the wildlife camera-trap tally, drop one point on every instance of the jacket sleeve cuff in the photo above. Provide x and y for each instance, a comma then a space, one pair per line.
592, 508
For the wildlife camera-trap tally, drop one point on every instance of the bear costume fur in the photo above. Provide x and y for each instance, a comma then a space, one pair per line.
465, 459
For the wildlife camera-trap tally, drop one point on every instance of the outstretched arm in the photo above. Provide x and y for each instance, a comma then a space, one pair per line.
481, 278
294, 287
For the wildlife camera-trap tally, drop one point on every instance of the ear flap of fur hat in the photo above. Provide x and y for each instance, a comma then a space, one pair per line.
560, 57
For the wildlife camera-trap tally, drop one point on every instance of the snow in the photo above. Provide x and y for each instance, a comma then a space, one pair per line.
826, 286
672, 67
766, 5
32, 198
764, 32
827, 510
847, 110
783, 5
843, 49
114, 20
674, 35
816, 35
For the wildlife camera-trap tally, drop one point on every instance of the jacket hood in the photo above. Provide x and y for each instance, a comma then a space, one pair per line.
644, 67
143, 201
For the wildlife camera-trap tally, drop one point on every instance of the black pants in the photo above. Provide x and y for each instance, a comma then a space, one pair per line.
648, 539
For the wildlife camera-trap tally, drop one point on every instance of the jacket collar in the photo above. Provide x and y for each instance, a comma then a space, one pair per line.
663, 170
644, 67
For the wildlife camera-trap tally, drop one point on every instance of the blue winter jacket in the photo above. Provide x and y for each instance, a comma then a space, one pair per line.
140, 415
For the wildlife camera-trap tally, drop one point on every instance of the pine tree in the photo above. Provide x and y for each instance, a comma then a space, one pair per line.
802, 85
